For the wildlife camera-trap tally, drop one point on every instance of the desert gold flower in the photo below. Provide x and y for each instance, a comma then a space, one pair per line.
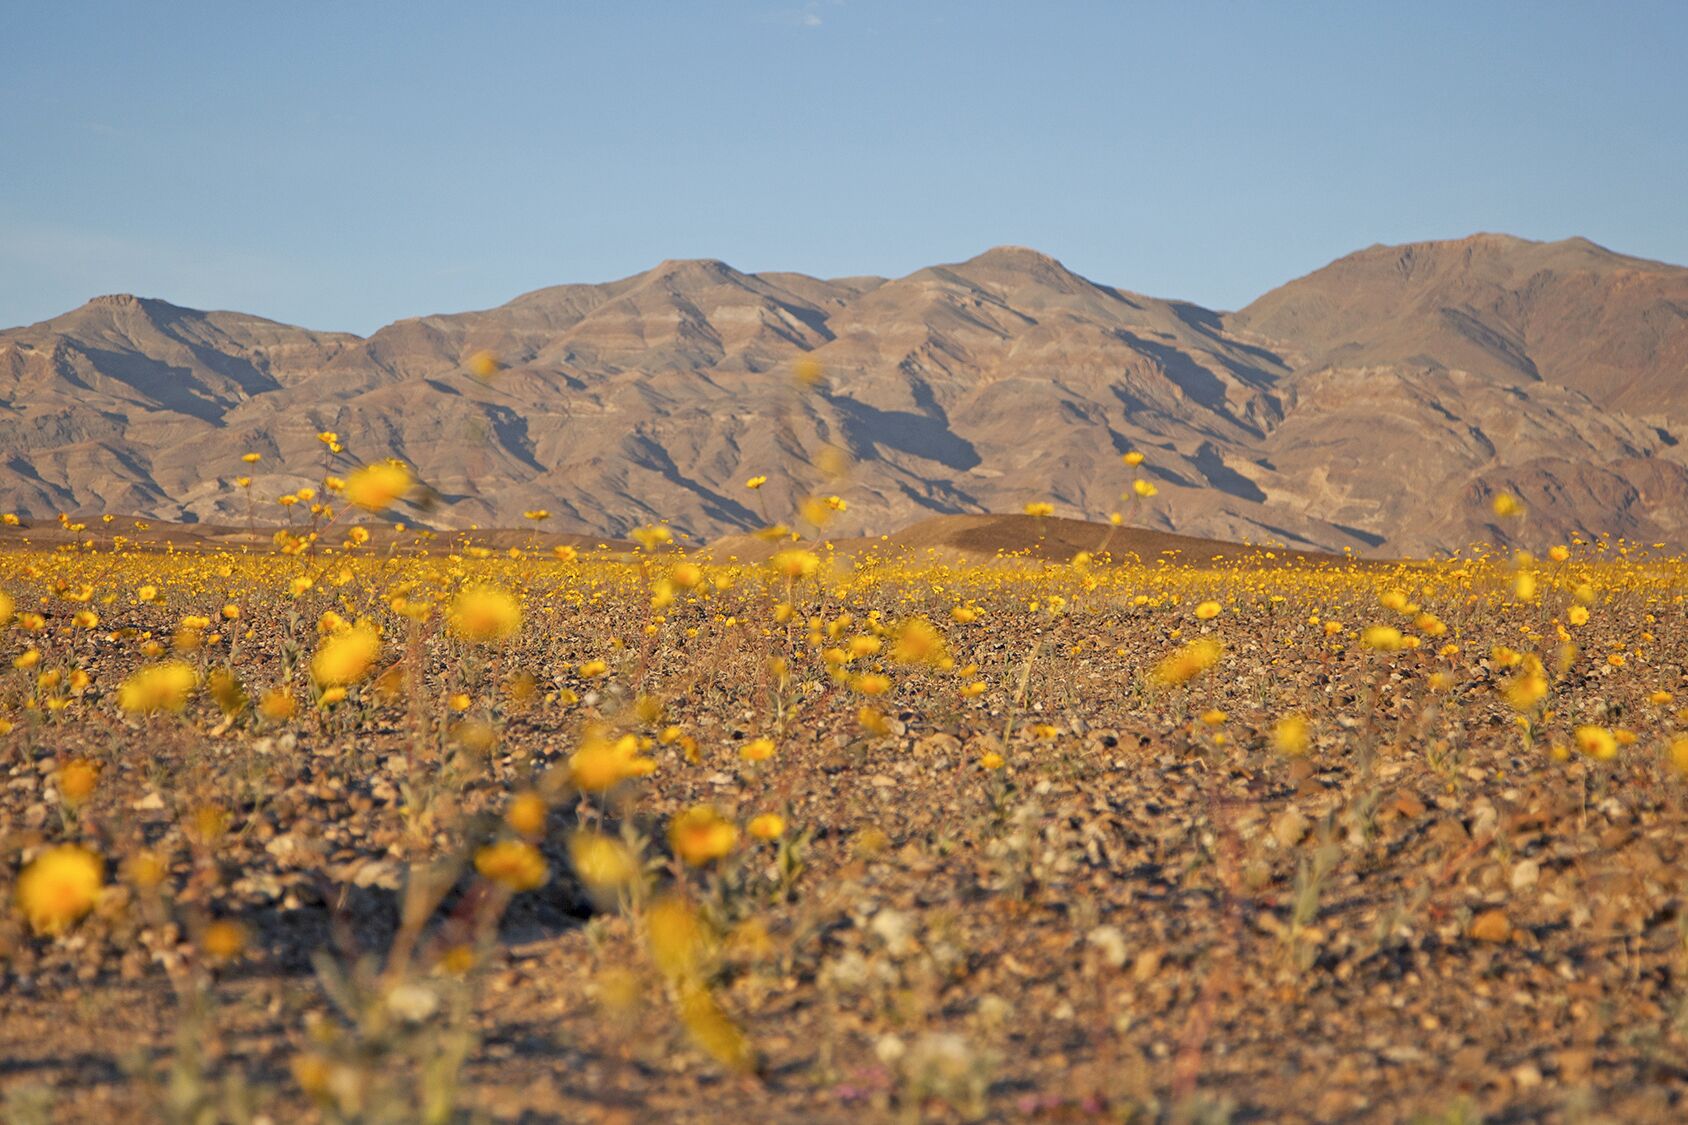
757, 750
513, 864
1527, 687
1383, 638
756, 482
1132, 459
678, 940
1207, 611
807, 371
277, 705
601, 763
1597, 743
653, 536
1188, 662
602, 862
160, 687
796, 563
473, 735
346, 657
223, 940
527, 813
1677, 755
918, 641
77, 779
1040, 508
816, 510
1290, 736
767, 826
712, 1030
833, 461
701, 835
377, 487
873, 721
146, 869
58, 887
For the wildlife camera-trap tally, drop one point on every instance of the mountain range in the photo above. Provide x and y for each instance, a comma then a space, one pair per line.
1377, 404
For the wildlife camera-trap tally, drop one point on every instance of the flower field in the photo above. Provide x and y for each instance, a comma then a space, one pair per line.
405, 828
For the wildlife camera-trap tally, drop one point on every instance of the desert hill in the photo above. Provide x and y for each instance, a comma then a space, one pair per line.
1570, 314
1376, 404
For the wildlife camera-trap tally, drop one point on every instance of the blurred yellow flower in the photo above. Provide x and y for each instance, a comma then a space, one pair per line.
767, 826
58, 887
701, 835
160, 687
757, 750
1597, 743
77, 779
485, 615
513, 864
1290, 736
377, 487
346, 657
678, 940
602, 862
1188, 662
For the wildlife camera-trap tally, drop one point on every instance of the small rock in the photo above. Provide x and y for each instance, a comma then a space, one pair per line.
1491, 925
1289, 827
1110, 942
1525, 873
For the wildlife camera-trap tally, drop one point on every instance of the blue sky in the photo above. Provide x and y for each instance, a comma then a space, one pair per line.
341, 165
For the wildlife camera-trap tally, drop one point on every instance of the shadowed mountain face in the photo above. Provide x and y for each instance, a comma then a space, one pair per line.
1376, 404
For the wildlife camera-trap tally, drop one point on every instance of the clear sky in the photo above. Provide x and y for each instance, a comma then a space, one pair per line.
343, 164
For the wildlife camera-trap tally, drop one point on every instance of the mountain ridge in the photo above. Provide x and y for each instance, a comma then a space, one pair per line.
1466, 367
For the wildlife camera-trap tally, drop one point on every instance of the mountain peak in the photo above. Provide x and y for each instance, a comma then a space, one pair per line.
125, 301
1013, 256
1494, 305
692, 268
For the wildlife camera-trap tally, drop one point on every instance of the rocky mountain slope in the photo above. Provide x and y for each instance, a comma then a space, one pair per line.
1376, 404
